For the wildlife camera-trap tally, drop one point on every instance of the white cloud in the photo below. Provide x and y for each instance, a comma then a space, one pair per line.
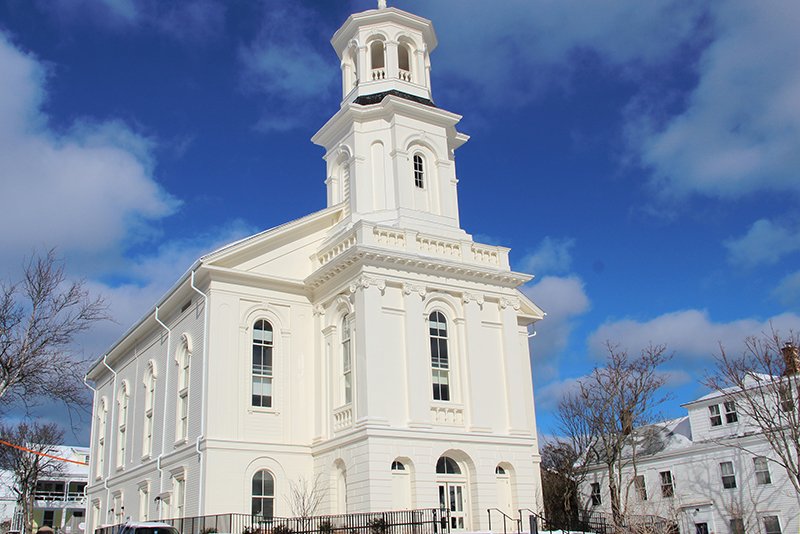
690, 334
285, 66
83, 190
564, 300
549, 396
740, 129
552, 256
765, 243
788, 290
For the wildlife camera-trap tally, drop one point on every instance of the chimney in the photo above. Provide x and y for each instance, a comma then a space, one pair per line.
791, 358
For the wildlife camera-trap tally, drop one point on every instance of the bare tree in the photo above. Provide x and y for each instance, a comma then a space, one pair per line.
561, 479
611, 415
31, 465
305, 496
39, 320
764, 384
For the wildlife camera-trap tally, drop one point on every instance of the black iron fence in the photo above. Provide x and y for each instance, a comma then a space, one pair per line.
599, 523
423, 521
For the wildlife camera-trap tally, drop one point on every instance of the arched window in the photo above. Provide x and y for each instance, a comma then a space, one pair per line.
347, 362
440, 362
149, 404
419, 171
398, 466
262, 364
122, 411
499, 470
447, 466
263, 498
404, 62
102, 418
377, 61
401, 486
183, 358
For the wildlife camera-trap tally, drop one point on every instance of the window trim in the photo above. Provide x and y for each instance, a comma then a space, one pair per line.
667, 484
268, 376
770, 515
122, 424
183, 358
760, 472
346, 344
640, 486
418, 168
440, 369
715, 415
728, 479
731, 414
596, 495
263, 497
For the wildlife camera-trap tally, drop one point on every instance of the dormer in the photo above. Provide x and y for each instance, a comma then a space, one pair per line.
385, 49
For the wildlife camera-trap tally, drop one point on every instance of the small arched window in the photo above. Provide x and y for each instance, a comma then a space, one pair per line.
263, 495
398, 466
419, 171
376, 51
447, 466
440, 362
499, 470
404, 62
262, 364
347, 362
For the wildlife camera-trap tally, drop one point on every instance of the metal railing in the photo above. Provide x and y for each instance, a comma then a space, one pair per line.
422, 521
506, 519
599, 523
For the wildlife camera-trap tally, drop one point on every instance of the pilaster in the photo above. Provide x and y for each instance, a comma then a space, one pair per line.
417, 357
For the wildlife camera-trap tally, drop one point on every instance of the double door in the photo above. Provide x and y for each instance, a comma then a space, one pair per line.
453, 502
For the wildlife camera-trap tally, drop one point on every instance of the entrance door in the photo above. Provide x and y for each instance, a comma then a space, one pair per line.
452, 497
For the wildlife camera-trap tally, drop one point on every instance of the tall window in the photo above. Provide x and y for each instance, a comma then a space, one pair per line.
119, 508
149, 404
263, 498
347, 357
772, 524
184, 360
641, 487
102, 418
179, 495
377, 57
403, 57
122, 411
440, 362
730, 412
667, 484
262, 364
728, 476
419, 171
144, 502
716, 417
597, 500
762, 470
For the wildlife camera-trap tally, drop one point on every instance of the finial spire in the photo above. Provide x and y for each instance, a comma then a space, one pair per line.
381, 4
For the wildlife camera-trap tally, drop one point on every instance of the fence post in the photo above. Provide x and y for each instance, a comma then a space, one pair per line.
534, 526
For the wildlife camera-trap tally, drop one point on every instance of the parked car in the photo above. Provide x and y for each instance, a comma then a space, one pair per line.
148, 528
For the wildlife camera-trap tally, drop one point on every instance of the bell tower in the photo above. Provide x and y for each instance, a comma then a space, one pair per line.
389, 149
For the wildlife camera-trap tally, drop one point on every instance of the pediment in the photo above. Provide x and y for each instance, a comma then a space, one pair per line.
283, 251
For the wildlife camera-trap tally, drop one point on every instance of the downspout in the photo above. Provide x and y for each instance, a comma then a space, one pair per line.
164, 420
204, 398
91, 438
108, 449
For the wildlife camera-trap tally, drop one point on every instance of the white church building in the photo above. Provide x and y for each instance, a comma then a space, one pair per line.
372, 345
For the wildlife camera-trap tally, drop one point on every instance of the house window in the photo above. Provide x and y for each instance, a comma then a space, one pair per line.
728, 476
499, 470
641, 488
419, 171
262, 364
179, 495
347, 362
119, 509
762, 470
102, 418
182, 416
398, 466
144, 502
786, 398
122, 405
49, 518
737, 525
597, 500
667, 485
730, 412
440, 362
716, 417
771, 524
149, 404
263, 496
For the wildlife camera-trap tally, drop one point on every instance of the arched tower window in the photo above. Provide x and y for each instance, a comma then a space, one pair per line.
419, 171
262, 364
347, 362
263, 495
440, 362
377, 53
404, 62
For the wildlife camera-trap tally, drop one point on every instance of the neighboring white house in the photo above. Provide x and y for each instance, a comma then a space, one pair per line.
373, 343
711, 471
60, 500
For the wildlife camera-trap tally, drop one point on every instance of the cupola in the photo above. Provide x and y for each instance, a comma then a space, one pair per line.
385, 50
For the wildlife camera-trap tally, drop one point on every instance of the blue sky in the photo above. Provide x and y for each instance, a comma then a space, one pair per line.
641, 159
